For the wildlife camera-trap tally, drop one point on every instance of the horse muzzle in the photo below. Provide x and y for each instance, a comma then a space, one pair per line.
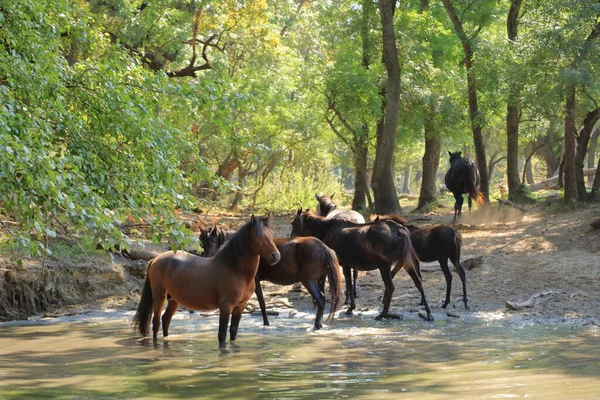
274, 257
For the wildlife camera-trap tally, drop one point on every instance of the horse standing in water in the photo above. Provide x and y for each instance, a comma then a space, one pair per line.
224, 282
437, 243
328, 209
366, 247
462, 177
303, 259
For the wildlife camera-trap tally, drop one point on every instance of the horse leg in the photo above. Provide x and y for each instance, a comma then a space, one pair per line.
355, 276
457, 205
448, 275
158, 303
261, 300
348, 279
168, 314
386, 275
469, 202
236, 316
318, 296
463, 277
419, 285
224, 312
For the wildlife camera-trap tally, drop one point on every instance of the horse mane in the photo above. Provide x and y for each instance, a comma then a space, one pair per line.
237, 246
393, 217
321, 227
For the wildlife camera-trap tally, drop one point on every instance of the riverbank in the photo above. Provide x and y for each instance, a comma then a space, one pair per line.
545, 263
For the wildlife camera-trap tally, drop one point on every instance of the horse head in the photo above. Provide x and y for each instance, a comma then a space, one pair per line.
260, 240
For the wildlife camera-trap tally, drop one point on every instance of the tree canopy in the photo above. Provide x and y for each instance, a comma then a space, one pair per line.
120, 112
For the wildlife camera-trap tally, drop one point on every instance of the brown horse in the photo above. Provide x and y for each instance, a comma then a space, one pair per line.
224, 282
462, 177
212, 239
303, 259
366, 247
437, 243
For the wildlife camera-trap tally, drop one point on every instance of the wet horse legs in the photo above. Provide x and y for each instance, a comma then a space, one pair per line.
315, 291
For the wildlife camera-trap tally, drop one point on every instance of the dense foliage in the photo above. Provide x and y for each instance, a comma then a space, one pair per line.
120, 112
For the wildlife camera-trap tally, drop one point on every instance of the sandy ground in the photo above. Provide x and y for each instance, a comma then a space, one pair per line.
549, 257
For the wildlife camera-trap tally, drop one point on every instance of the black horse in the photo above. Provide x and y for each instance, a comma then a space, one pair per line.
366, 247
437, 243
462, 177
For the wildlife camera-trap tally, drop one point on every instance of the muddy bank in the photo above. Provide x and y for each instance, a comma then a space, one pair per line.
28, 287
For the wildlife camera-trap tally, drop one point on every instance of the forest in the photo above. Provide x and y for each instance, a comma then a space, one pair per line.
118, 112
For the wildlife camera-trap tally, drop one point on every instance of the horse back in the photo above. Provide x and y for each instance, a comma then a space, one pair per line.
436, 242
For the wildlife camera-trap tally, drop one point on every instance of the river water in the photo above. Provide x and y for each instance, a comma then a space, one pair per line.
98, 356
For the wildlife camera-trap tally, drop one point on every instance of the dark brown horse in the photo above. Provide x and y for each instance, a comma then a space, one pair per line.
462, 177
212, 239
328, 209
366, 247
437, 243
224, 282
303, 259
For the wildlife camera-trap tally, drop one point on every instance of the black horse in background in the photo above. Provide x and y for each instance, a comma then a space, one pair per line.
462, 177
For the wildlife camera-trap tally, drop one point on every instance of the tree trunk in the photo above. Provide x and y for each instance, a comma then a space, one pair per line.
552, 163
592, 152
386, 198
582, 146
515, 189
571, 195
406, 180
361, 188
527, 170
571, 190
431, 162
473, 102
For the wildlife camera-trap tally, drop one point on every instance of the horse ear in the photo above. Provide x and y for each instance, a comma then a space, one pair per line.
252, 220
450, 153
299, 211
317, 197
459, 153
332, 196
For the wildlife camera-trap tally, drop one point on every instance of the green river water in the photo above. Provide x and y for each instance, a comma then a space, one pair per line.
98, 356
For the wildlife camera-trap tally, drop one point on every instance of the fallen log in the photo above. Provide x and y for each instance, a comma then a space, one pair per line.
552, 183
534, 300
471, 263
509, 203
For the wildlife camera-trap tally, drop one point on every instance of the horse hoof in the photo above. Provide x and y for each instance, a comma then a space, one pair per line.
388, 315
349, 311
426, 315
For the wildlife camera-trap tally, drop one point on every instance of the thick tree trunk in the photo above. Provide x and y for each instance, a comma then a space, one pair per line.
592, 152
431, 162
582, 146
515, 189
473, 102
386, 198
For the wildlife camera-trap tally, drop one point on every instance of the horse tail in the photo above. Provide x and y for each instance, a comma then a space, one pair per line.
335, 282
472, 190
457, 245
143, 315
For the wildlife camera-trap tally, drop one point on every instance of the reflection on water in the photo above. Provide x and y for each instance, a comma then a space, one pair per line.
356, 358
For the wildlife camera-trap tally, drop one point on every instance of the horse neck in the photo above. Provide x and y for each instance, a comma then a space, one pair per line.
236, 254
